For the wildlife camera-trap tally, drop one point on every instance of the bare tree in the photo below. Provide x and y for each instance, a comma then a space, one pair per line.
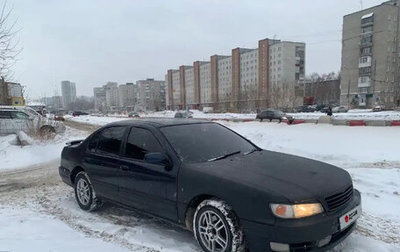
283, 96
9, 44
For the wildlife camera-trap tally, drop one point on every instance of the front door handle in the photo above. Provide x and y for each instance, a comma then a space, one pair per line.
124, 167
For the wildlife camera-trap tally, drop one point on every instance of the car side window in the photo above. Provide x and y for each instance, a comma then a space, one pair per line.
19, 115
5, 115
94, 140
140, 142
109, 140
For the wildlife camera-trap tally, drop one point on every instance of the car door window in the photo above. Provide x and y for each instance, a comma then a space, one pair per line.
19, 115
109, 140
141, 141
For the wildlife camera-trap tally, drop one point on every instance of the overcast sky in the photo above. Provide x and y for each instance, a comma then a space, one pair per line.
92, 42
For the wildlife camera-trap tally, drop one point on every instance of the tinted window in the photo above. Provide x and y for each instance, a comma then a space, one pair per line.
93, 142
5, 115
110, 140
140, 142
19, 115
202, 142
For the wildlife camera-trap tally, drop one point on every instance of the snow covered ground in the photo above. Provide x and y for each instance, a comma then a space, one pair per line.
356, 114
370, 154
12, 155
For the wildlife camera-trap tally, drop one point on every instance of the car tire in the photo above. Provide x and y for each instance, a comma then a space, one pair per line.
85, 194
47, 132
216, 227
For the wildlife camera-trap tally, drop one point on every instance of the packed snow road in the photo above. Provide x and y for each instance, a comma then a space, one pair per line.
38, 212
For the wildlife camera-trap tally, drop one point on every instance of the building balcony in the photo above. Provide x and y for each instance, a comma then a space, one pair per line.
364, 82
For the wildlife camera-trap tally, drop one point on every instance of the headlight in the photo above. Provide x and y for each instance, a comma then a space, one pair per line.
296, 211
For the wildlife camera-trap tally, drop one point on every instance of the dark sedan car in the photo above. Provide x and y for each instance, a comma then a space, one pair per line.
233, 195
274, 115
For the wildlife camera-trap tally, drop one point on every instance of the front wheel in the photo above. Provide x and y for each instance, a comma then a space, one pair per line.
85, 194
216, 227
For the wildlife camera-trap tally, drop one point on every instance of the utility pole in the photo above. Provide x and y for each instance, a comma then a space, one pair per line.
348, 94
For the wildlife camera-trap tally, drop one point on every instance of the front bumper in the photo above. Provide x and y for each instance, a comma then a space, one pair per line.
301, 234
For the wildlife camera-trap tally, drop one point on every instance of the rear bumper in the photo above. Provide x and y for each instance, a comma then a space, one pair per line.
302, 233
65, 175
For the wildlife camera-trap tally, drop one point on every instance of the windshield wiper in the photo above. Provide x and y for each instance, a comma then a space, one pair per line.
250, 151
224, 156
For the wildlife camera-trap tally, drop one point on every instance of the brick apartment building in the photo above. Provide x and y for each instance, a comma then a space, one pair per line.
244, 80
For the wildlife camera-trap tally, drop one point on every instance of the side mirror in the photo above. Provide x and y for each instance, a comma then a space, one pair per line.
157, 158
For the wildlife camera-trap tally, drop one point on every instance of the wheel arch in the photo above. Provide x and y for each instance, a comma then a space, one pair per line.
74, 172
192, 206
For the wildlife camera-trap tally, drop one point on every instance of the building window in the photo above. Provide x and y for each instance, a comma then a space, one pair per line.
366, 29
366, 51
365, 70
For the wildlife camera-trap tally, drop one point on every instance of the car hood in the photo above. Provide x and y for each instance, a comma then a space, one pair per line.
295, 178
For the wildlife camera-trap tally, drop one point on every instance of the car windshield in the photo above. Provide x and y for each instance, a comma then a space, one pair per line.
32, 112
205, 142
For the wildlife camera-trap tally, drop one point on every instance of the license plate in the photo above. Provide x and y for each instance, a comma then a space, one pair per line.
348, 218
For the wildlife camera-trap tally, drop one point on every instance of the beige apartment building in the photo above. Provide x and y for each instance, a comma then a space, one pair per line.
150, 95
370, 57
244, 80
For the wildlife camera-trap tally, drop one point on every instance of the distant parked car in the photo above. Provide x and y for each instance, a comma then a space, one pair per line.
319, 107
340, 109
208, 109
15, 119
324, 109
79, 113
377, 109
133, 114
274, 115
59, 118
308, 108
183, 115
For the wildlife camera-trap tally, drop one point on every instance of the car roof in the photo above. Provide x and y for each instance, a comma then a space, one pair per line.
14, 108
158, 123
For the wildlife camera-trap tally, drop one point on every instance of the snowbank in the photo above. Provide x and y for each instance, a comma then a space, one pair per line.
15, 156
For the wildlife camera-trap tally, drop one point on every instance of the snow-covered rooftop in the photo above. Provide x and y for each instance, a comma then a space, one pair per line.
367, 15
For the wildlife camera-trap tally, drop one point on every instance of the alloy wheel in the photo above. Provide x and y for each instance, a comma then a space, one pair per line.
213, 232
83, 192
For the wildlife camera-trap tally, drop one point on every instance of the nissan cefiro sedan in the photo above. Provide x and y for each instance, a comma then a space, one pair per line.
233, 195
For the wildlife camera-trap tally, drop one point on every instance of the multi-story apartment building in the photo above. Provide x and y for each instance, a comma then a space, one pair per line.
241, 81
99, 99
151, 95
127, 95
145, 95
112, 100
53, 103
68, 91
370, 57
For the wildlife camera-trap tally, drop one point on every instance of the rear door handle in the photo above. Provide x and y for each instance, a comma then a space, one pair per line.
124, 167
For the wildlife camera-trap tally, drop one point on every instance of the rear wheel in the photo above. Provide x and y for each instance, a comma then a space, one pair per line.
216, 227
47, 132
85, 194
